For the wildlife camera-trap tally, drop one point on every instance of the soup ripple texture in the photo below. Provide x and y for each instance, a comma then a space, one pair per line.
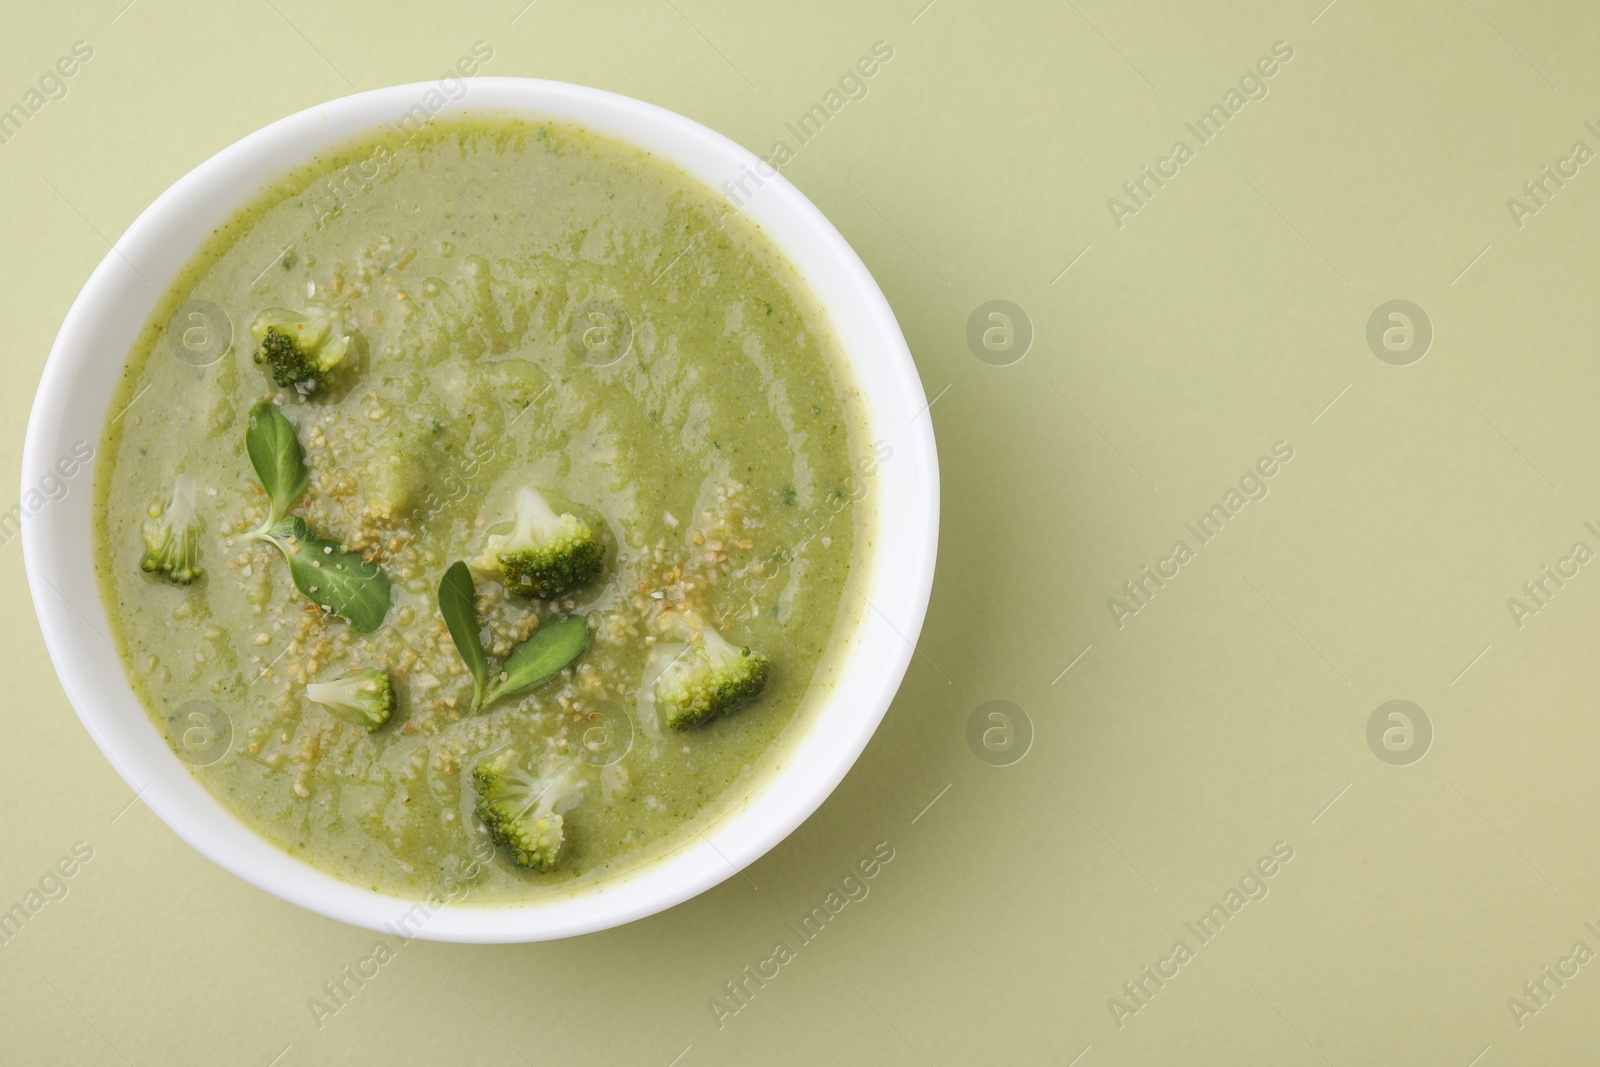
505, 305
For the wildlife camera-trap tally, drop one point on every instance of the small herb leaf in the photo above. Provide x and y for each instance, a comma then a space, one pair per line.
339, 581
276, 455
540, 658
458, 605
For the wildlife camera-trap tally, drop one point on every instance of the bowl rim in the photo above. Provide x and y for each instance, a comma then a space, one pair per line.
58, 537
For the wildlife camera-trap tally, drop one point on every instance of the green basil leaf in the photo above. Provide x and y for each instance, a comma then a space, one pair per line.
276, 455
556, 643
341, 582
459, 606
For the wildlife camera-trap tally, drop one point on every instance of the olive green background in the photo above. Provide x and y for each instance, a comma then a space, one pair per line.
1229, 714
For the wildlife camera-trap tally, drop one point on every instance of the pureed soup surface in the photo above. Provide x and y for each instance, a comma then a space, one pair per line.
532, 305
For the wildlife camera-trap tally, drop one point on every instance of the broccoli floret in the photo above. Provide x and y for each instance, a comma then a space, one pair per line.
711, 678
546, 554
303, 352
518, 807
172, 536
363, 697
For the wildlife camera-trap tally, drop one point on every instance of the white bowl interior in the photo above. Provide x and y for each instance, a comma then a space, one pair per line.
72, 406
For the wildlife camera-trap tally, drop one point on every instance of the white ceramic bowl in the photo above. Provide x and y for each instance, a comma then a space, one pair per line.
72, 406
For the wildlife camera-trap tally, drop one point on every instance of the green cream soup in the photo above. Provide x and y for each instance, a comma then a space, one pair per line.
503, 305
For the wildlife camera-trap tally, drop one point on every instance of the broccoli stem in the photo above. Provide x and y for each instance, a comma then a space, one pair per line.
536, 519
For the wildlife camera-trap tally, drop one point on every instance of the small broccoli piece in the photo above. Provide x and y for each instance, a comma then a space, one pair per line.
172, 536
546, 554
710, 678
518, 807
304, 352
363, 697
